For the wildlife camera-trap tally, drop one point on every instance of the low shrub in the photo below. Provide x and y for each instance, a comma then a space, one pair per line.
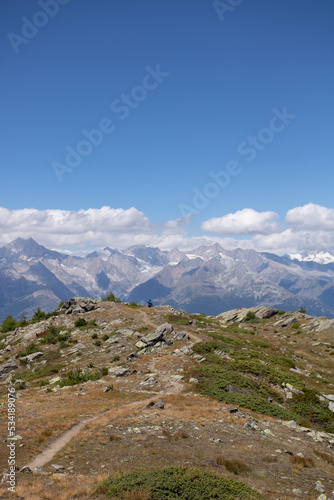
250, 316
175, 483
78, 376
30, 349
80, 322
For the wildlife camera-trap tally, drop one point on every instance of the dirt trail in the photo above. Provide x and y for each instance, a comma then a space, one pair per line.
46, 455
56, 445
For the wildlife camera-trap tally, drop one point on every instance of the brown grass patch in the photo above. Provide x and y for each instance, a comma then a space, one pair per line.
298, 461
325, 456
233, 465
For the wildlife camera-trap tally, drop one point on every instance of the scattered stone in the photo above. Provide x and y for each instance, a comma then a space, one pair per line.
121, 372
141, 345
319, 487
198, 358
57, 467
193, 380
26, 470
152, 403
124, 332
159, 405
33, 356
222, 354
39, 470
79, 305
297, 491
149, 381
54, 380
131, 356
7, 367
286, 323
164, 329
291, 423
252, 425
107, 389
181, 336
232, 410
16, 438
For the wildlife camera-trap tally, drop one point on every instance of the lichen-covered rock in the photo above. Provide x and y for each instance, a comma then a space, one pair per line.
79, 305
7, 367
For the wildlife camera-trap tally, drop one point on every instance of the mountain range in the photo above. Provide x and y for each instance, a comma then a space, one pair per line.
208, 279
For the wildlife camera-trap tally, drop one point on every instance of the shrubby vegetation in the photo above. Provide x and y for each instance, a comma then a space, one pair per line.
175, 483
78, 376
110, 298
10, 324
252, 377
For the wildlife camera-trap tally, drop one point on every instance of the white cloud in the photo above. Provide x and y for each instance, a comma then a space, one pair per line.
311, 217
83, 230
243, 222
75, 229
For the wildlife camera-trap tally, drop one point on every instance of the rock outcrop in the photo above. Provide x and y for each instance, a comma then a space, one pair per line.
79, 305
239, 315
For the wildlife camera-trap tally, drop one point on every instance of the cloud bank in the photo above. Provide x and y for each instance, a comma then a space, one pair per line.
306, 228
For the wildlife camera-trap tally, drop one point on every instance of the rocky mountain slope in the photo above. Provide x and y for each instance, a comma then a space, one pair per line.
106, 387
207, 279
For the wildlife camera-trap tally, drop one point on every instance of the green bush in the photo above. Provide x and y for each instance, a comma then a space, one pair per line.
80, 322
105, 337
249, 316
77, 376
176, 483
109, 298
38, 316
30, 349
9, 324
53, 336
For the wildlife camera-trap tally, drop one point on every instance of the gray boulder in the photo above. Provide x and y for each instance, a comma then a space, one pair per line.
7, 367
318, 324
33, 356
239, 315
79, 305
158, 335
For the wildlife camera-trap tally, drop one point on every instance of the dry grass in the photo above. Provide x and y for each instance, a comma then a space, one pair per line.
233, 465
325, 456
55, 488
300, 462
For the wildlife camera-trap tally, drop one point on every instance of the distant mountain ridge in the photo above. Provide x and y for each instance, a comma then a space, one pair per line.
207, 279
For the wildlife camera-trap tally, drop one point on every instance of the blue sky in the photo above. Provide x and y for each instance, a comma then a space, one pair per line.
202, 86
